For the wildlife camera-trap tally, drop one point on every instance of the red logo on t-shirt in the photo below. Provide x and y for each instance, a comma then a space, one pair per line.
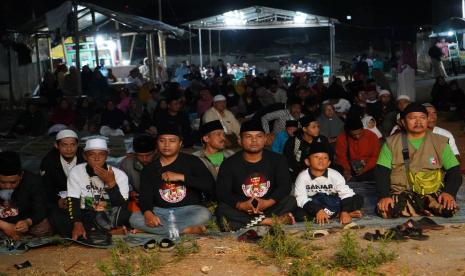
173, 192
256, 186
6, 210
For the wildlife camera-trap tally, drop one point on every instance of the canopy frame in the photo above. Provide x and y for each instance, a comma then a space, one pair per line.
260, 17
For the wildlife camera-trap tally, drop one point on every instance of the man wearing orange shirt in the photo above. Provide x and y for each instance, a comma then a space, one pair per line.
357, 151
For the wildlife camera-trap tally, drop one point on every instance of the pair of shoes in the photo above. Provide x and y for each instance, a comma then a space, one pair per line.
412, 230
164, 245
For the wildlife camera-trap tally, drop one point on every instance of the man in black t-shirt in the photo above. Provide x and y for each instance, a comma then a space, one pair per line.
253, 185
23, 207
173, 182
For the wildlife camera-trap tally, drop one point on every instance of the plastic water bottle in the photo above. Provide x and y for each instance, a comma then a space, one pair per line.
172, 228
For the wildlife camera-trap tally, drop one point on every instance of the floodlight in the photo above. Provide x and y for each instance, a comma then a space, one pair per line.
234, 18
450, 33
349, 17
300, 18
99, 40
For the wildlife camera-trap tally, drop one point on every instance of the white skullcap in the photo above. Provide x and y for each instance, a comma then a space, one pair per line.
66, 133
96, 144
219, 98
403, 97
384, 92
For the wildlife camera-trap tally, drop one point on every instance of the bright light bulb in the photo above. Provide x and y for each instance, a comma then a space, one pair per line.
450, 33
234, 18
300, 18
99, 40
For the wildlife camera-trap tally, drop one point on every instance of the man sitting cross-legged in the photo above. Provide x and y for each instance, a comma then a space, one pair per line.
23, 207
174, 181
322, 192
417, 172
57, 164
97, 196
253, 185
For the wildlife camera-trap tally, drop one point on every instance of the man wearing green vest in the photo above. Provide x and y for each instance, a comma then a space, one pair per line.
417, 174
213, 152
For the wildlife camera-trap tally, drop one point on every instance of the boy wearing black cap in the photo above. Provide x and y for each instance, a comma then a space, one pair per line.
253, 185
322, 192
304, 138
357, 150
174, 181
23, 206
417, 172
213, 152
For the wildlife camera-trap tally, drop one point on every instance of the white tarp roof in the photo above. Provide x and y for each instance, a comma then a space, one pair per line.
259, 17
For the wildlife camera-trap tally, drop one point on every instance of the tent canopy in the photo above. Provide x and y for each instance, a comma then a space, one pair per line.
453, 25
132, 23
259, 17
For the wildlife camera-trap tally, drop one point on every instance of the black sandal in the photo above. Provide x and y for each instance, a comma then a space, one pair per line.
429, 224
166, 244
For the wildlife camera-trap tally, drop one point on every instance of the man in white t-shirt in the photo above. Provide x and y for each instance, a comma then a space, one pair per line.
432, 121
97, 195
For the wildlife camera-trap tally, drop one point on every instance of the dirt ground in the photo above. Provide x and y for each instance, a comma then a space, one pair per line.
442, 254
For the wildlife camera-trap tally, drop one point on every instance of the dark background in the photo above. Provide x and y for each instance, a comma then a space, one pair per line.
374, 23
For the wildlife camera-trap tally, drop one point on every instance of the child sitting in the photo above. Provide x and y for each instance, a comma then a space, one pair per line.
322, 192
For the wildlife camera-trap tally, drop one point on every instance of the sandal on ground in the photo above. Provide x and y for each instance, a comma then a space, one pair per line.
250, 236
353, 226
415, 234
320, 233
429, 224
96, 237
391, 234
166, 244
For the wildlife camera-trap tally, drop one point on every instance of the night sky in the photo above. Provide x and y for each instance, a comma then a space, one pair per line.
393, 13
373, 21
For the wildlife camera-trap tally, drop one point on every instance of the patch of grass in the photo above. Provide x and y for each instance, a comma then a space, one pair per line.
225, 223
309, 229
350, 255
212, 227
129, 261
257, 260
279, 245
305, 267
186, 246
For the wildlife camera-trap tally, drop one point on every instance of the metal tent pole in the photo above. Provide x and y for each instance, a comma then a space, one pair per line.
200, 50
190, 44
219, 43
77, 48
11, 97
65, 61
39, 73
132, 48
118, 44
95, 40
332, 47
210, 46
49, 42
151, 56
